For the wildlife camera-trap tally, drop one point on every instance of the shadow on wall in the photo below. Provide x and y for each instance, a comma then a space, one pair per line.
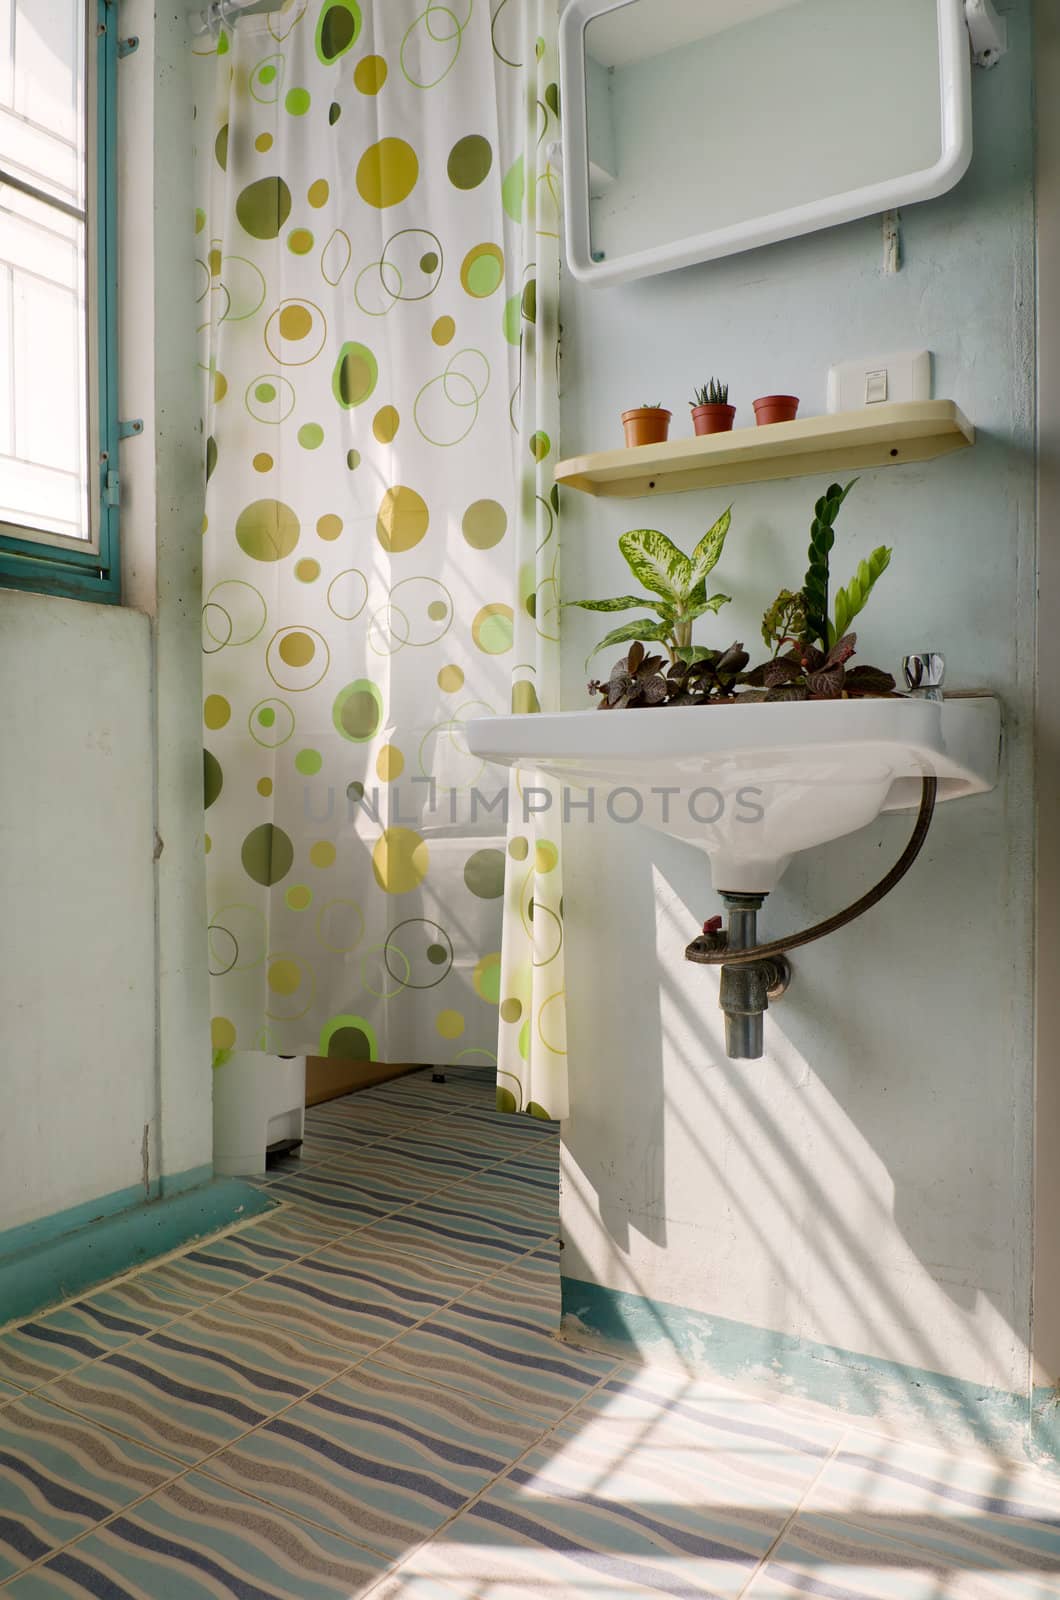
801, 1193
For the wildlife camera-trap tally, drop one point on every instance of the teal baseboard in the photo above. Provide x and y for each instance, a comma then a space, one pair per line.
863, 1388
48, 1261
43, 1229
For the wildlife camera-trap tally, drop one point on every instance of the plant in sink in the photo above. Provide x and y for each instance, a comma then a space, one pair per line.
678, 585
814, 664
641, 680
811, 650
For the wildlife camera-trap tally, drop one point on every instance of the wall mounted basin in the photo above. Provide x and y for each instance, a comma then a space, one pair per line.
753, 784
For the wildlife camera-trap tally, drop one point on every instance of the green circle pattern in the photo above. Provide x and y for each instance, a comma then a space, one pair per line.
332, 519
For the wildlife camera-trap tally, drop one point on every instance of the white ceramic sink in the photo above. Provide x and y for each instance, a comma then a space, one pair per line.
753, 784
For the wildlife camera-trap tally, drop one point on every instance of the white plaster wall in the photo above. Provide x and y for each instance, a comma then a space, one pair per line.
77, 970
868, 1184
105, 1015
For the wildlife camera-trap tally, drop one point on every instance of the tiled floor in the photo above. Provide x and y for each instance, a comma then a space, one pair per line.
363, 1393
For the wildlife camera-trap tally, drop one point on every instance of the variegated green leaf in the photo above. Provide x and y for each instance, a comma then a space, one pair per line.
658, 563
714, 604
629, 631
707, 553
622, 602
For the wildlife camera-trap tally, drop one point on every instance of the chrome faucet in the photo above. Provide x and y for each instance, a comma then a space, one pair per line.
924, 674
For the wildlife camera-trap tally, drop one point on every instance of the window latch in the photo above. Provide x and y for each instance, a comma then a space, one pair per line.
111, 489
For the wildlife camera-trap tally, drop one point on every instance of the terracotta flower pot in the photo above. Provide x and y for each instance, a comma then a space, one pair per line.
713, 418
646, 425
775, 408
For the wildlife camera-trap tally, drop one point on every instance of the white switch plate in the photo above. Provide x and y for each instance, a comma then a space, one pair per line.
853, 384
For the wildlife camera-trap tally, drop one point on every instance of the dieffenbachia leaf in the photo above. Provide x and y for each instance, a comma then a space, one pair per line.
658, 563
715, 603
659, 631
622, 602
851, 600
707, 553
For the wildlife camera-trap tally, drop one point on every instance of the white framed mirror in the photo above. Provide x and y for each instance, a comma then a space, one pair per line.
694, 129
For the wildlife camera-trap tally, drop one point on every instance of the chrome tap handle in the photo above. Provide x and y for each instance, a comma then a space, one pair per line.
924, 674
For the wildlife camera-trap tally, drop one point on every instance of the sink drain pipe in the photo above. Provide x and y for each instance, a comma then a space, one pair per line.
753, 974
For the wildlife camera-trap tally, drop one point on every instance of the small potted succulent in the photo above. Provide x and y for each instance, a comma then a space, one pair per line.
775, 408
646, 425
711, 411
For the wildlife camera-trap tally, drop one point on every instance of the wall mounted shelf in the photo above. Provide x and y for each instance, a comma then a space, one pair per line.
877, 436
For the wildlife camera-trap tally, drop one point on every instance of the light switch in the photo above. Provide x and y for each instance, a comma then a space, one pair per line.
874, 380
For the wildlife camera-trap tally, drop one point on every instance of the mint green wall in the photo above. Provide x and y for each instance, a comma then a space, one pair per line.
867, 1185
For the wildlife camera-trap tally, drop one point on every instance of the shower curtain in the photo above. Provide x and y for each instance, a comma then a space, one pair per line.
378, 256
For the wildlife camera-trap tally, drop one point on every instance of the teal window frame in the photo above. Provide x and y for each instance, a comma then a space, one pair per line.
29, 563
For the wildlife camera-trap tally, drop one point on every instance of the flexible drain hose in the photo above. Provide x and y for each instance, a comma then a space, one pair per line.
778, 947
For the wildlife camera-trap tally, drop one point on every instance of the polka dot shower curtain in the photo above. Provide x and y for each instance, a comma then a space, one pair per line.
378, 248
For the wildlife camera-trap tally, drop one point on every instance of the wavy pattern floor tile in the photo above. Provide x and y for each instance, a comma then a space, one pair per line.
294, 1161
338, 1196
456, 1232
42, 1348
199, 1383
372, 1119
520, 1130
502, 1549
918, 1493
890, 1519
353, 1306
317, 1147
279, 1238
528, 1203
222, 1265
363, 1392
477, 1141
414, 1174
59, 1476
855, 1567
182, 1282
456, 1093
729, 1423
418, 1090
35, 1353
290, 1233
497, 1343
659, 1471
199, 1540
321, 1135
367, 1252
467, 1146
379, 1457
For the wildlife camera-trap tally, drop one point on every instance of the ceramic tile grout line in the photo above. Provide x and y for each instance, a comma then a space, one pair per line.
199, 1466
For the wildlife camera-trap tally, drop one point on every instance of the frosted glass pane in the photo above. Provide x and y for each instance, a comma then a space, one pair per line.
42, 94
43, 378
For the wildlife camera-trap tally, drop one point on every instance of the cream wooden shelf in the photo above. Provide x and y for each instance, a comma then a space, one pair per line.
878, 436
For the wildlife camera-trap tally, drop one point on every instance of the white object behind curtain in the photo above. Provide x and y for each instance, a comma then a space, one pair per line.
379, 266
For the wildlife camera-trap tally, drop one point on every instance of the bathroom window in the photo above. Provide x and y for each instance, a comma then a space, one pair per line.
58, 368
